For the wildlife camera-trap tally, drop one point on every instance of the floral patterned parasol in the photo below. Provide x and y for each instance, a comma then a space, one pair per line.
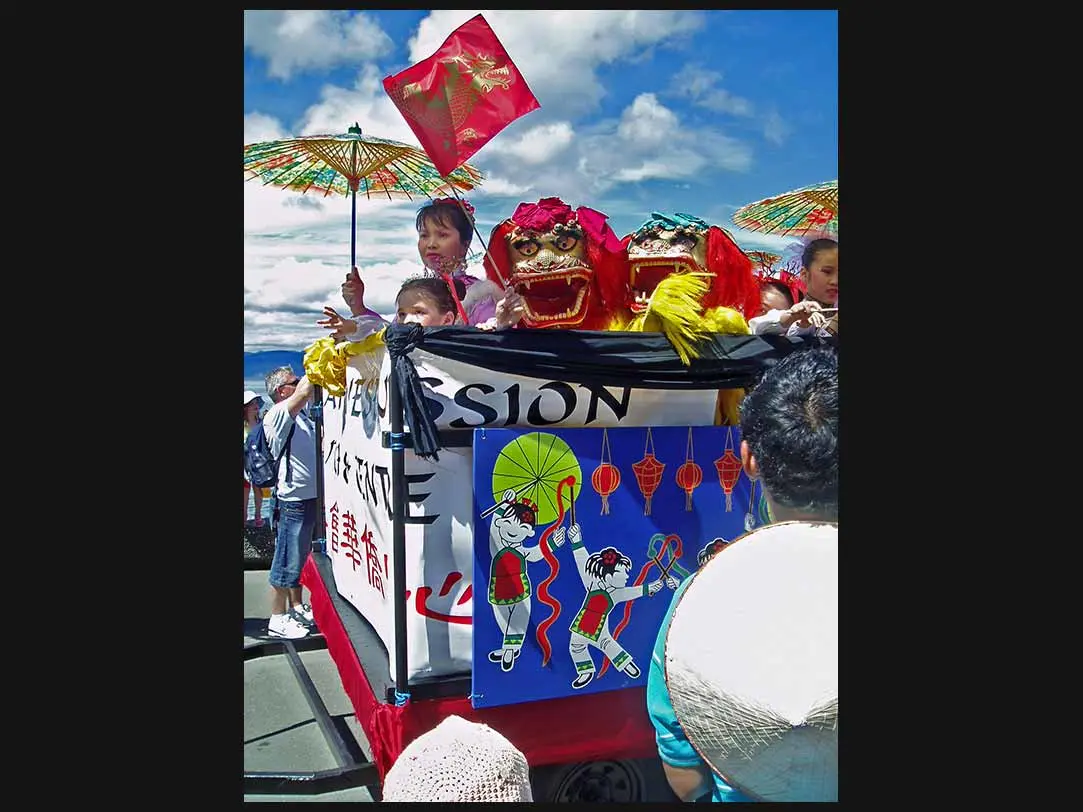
764, 260
813, 210
350, 163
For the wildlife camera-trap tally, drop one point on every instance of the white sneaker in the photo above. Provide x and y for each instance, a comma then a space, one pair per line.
302, 613
285, 626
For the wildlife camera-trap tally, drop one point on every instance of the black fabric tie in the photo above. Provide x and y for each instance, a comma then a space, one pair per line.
400, 340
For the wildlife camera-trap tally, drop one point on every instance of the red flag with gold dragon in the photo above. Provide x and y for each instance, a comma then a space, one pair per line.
460, 97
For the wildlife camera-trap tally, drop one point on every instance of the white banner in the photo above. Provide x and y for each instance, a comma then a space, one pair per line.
466, 396
439, 499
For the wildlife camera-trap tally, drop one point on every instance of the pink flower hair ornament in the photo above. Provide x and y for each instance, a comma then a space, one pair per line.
457, 203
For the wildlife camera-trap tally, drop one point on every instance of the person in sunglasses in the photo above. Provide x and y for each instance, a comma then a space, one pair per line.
291, 435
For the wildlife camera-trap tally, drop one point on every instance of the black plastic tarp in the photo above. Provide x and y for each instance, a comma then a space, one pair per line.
642, 360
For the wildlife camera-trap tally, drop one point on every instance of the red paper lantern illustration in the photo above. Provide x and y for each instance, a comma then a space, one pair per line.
606, 477
689, 475
729, 469
648, 473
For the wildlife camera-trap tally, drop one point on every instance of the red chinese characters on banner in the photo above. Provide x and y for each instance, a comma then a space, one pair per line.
350, 542
421, 601
334, 527
372, 562
459, 98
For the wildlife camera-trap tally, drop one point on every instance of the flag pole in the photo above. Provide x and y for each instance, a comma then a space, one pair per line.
473, 225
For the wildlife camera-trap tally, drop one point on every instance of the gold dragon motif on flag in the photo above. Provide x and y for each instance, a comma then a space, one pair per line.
469, 77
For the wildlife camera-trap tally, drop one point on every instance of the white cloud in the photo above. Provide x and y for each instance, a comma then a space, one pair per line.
537, 145
297, 41
365, 103
775, 129
501, 187
722, 101
700, 85
296, 250
755, 241
652, 169
558, 52
647, 122
650, 143
259, 127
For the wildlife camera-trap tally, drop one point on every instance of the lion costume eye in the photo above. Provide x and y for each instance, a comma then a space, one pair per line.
566, 242
527, 248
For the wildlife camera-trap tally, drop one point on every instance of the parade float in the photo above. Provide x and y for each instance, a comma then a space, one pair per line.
507, 513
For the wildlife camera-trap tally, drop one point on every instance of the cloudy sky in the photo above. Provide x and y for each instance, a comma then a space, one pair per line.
691, 111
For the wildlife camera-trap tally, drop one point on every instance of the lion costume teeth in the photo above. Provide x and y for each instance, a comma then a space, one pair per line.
680, 244
688, 279
568, 265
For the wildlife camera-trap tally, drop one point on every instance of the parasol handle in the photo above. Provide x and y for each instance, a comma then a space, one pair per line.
353, 231
571, 508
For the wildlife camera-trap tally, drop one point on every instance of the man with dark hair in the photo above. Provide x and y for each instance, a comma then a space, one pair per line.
789, 436
789, 439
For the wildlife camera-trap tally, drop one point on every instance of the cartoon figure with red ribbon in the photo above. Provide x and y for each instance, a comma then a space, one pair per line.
605, 577
509, 584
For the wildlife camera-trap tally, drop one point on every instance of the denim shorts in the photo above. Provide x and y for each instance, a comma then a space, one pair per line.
293, 542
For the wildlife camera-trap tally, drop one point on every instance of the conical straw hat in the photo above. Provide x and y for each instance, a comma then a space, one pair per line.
752, 662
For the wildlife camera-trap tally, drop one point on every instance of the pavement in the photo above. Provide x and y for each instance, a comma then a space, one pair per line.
280, 730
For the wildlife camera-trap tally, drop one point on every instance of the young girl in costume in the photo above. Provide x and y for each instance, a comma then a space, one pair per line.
775, 295
819, 308
444, 232
424, 300
605, 577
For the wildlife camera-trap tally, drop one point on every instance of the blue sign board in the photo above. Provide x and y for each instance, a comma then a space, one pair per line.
580, 537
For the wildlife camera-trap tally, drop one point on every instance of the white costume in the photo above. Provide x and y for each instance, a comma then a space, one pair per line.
509, 585
769, 324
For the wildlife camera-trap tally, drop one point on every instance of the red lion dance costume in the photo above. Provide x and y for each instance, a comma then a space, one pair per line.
689, 279
569, 267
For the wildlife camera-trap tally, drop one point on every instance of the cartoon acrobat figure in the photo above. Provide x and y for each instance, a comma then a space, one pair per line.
604, 575
710, 550
509, 585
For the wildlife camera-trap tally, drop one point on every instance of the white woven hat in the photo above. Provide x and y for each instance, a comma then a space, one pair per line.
752, 662
249, 396
459, 761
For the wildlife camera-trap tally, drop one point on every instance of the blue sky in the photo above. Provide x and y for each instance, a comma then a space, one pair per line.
693, 111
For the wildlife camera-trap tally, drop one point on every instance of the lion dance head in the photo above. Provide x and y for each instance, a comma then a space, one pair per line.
667, 246
569, 267
689, 279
